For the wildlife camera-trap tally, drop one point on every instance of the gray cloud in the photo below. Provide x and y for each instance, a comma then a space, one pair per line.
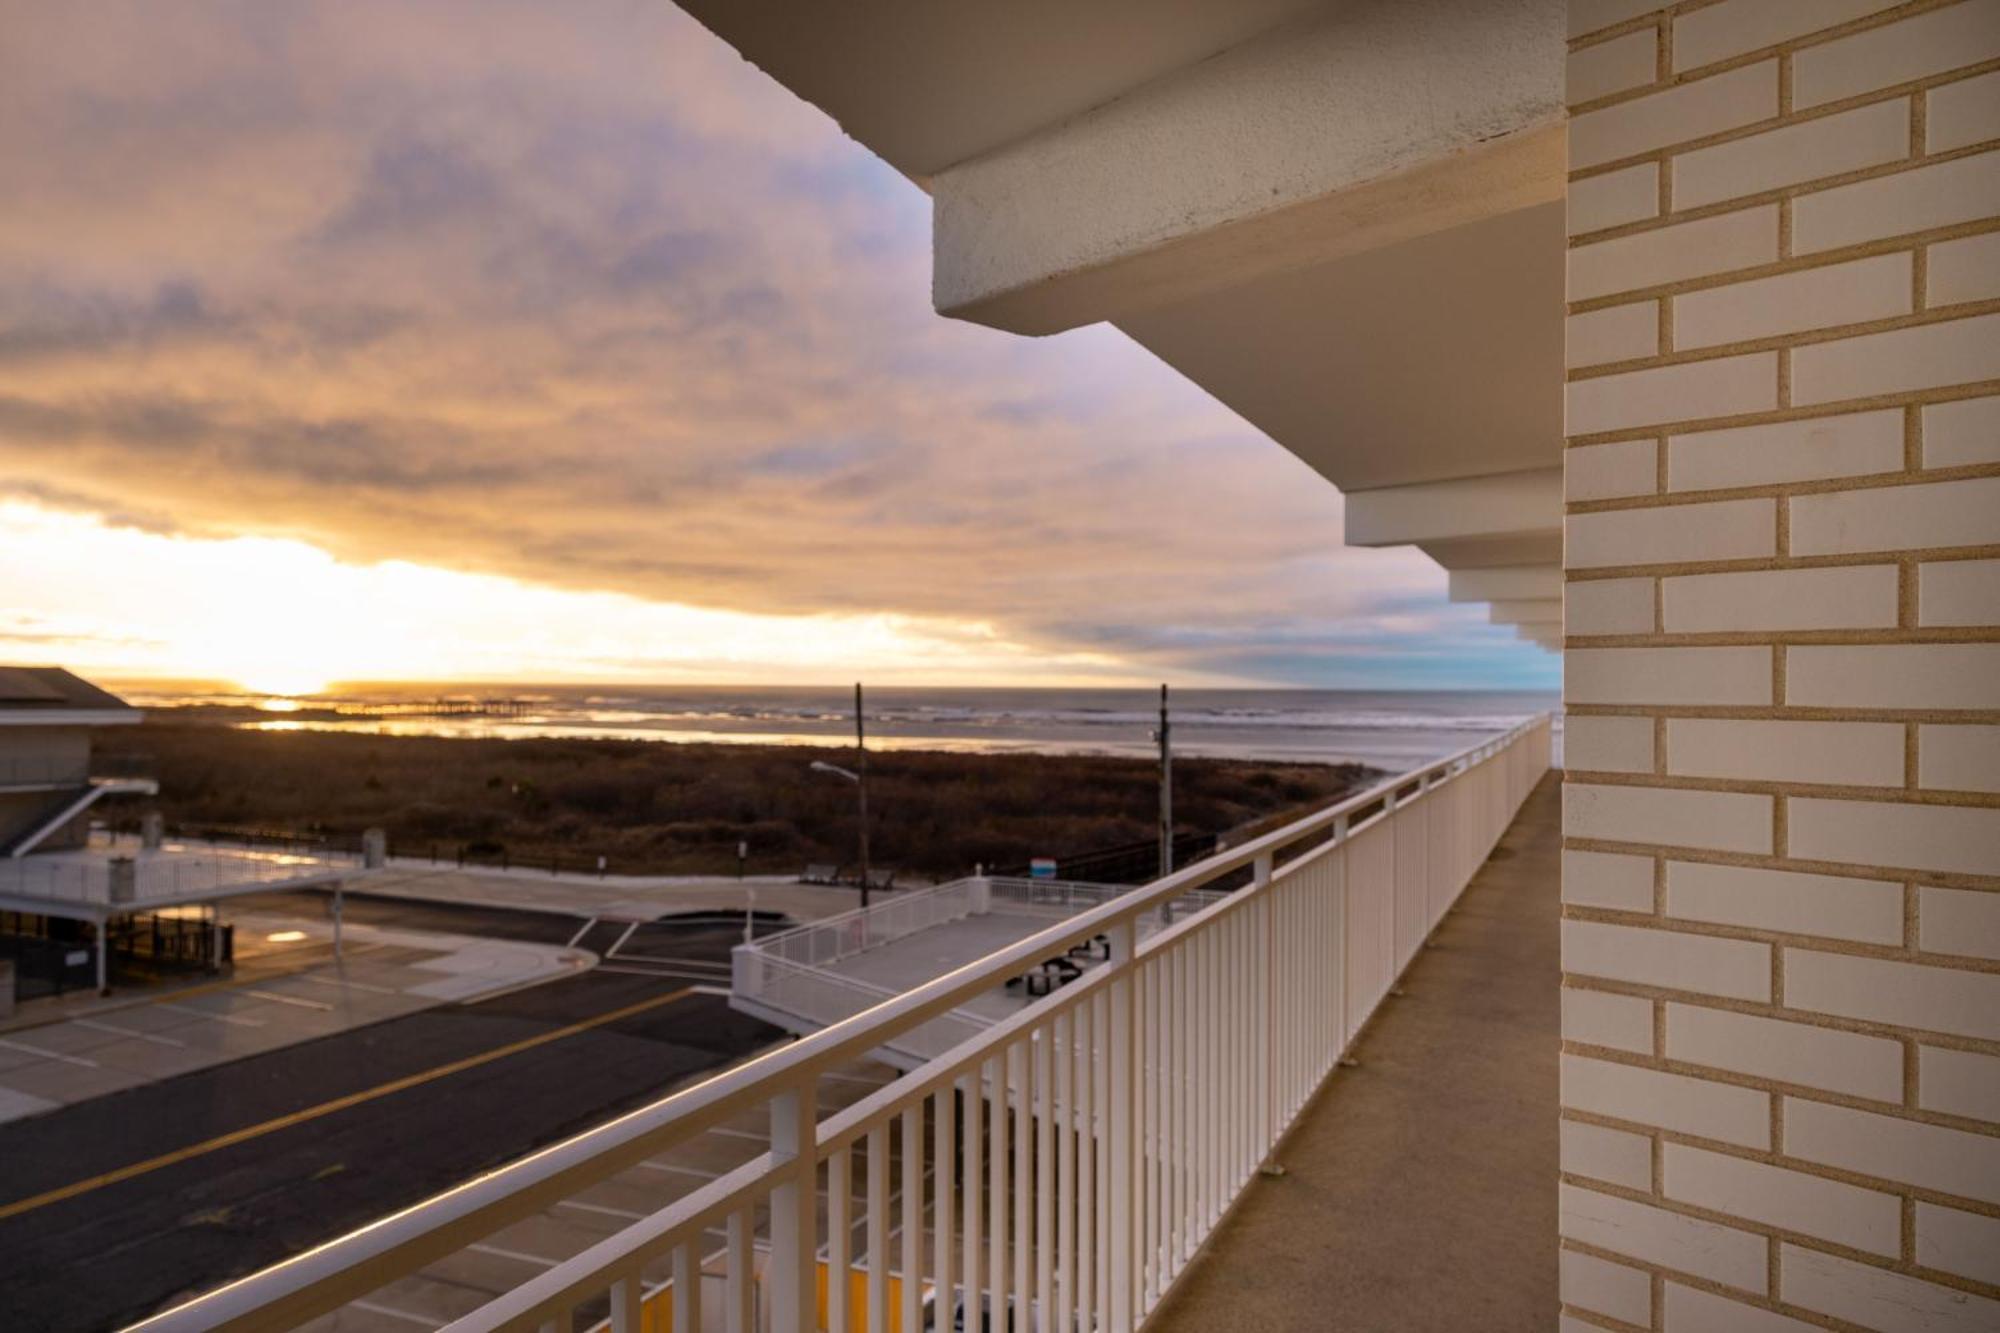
572, 294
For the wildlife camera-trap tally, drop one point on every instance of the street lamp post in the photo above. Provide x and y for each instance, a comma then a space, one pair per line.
859, 777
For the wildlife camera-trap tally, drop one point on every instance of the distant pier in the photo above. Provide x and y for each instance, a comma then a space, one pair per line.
440, 707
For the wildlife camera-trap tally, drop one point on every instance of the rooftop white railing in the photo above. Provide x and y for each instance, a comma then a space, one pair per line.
1062, 1166
104, 880
792, 977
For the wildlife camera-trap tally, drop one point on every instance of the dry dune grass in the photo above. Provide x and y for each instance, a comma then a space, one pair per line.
654, 807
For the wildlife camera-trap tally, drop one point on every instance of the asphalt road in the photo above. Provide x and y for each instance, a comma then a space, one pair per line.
117, 1207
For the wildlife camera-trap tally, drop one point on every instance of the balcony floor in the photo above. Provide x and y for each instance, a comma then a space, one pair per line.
1420, 1188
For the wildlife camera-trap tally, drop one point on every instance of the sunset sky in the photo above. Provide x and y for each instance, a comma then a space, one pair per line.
536, 342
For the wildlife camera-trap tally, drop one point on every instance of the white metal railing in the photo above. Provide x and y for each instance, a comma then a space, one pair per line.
1062, 1165
95, 880
789, 977
822, 998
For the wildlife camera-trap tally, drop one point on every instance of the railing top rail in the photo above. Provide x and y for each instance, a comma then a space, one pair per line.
352, 1265
839, 919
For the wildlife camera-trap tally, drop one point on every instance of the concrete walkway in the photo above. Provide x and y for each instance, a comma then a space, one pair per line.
1419, 1191
126, 1040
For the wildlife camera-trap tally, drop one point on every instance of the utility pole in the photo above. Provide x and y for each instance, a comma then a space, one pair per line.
1164, 736
861, 784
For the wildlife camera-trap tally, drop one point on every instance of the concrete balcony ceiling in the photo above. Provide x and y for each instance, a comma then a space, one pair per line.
1344, 220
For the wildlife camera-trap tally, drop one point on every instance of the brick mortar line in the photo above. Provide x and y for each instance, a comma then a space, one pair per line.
1782, 120
1804, 1166
1919, 155
1784, 266
1899, 1189
1860, 1027
1651, 18
1790, 713
1665, 14
1785, 342
1784, 490
1923, 397
1782, 939
1592, 1319
1944, 879
1660, 1275
1775, 564
1776, 1235
1888, 636
1788, 788
1806, 1240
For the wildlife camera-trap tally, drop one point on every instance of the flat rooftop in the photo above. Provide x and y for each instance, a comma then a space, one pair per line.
79, 883
905, 964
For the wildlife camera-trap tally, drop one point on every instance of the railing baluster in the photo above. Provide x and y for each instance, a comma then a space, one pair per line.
944, 1156
1024, 1176
839, 1237
687, 1284
791, 1279
996, 1189
970, 1177
1111, 1265
1066, 1083
1086, 1162
1147, 1108
1044, 1042
626, 1304
739, 1314
878, 1229
913, 1215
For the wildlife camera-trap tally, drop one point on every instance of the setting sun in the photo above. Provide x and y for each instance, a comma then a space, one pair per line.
284, 618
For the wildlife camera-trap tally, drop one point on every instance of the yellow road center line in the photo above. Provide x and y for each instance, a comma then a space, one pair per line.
326, 1108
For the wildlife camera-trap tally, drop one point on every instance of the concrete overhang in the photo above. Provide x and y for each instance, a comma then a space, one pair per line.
1352, 127
1529, 613
1343, 219
1539, 582
1506, 520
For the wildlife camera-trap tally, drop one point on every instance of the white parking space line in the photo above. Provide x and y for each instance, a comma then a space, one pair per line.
300, 1001
625, 1213
349, 985
496, 1251
96, 1026
48, 1055
680, 1170
234, 1020
373, 1307
581, 932
855, 1078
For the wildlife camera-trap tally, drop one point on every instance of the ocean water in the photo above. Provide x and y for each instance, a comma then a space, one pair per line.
1390, 729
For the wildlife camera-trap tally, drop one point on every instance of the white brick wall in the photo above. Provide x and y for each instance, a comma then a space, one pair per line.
1961, 1083
1869, 911
1815, 449
1619, 1290
1603, 1018
1612, 1155
1792, 1200
1817, 1057
1781, 943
